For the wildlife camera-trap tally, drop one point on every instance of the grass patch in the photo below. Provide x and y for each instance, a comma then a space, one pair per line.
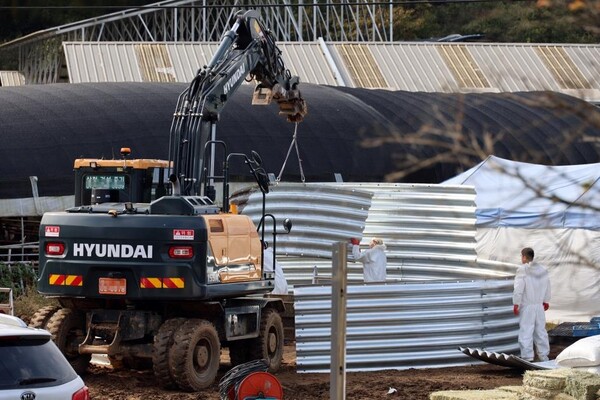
29, 302
18, 277
22, 279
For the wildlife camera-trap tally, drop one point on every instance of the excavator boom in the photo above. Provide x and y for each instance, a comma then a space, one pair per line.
247, 50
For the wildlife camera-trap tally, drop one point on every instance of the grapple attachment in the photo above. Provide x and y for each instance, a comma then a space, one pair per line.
290, 102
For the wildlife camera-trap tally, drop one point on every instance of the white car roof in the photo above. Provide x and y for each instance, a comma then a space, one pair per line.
6, 319
14, 326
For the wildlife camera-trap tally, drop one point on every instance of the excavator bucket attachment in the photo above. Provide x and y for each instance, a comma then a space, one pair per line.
295, 109
290, 102
262, 96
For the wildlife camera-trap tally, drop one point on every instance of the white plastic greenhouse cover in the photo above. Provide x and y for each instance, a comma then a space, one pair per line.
518, 194
554, 210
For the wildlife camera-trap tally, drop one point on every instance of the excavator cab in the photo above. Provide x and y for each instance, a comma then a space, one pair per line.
118, 181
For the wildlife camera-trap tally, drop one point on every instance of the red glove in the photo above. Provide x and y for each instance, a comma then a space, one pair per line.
516, 309
355, 241
546, 306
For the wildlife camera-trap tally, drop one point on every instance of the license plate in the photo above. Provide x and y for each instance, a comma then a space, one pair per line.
112, 286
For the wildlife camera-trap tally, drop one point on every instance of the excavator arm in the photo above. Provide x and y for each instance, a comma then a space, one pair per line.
247, 50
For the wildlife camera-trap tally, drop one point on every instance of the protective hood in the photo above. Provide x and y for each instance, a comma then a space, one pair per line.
534, 269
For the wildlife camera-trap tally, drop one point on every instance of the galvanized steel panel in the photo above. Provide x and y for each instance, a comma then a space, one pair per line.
411, 325
488, 67
307, 61
464, 68
188, 58
409, 66
102, 62
154, 62
507, 360
417, 219
178, 62
11, 78
513, 68
416, 67
586, 59
435, 220
300, 270
361, 65
429, 230
437, 296
562, 67
321, 215
26, 207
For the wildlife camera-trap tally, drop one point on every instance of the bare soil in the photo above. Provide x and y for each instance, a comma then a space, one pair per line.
415, 384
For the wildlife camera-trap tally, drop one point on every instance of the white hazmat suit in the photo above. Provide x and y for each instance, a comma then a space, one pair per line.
280, 281
532, 289
374, 261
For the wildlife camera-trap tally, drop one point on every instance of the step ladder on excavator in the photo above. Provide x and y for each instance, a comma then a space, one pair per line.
6, 294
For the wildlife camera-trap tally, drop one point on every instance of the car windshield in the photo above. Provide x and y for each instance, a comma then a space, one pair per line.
28, 363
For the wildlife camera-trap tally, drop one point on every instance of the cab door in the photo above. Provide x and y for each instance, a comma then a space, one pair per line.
235, 246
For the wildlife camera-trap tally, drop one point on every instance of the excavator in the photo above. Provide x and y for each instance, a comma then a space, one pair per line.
166, 283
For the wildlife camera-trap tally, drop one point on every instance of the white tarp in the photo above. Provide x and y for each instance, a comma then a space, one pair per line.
554, 210
518, 194
572, 257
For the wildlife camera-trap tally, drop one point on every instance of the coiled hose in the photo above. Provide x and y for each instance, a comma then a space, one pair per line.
236, 375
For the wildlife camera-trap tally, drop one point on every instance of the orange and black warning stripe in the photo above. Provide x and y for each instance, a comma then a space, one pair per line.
65, 280
162, 283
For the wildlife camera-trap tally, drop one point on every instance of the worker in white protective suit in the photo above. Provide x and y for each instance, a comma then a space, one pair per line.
281, 286
374, 259
530, 300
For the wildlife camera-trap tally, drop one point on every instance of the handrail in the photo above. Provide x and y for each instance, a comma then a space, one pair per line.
7, 308
28, 253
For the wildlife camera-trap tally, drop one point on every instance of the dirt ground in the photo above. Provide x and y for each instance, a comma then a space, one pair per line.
414, 384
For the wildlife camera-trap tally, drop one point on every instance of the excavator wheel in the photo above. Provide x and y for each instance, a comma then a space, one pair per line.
116, 362
195, 354
269, 343
67, 327
41, 317
135, 363
163, 341
239, 351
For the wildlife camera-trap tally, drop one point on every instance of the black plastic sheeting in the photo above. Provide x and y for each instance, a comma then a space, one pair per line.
43, 128
575, 330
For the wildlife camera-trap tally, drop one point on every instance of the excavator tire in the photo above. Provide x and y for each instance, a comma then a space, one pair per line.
116, 362
135, 363
195, 355
41, 317
67, 327
163, 341
239, 351
138, 363
269, 343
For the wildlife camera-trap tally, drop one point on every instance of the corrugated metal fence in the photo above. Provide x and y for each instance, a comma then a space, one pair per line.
406, 325
438, 296
429, 230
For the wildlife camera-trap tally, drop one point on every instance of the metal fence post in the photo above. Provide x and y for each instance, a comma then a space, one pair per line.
337, 390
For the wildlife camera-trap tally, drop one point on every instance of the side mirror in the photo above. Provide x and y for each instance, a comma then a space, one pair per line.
256, 159
263, 180
287, 225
